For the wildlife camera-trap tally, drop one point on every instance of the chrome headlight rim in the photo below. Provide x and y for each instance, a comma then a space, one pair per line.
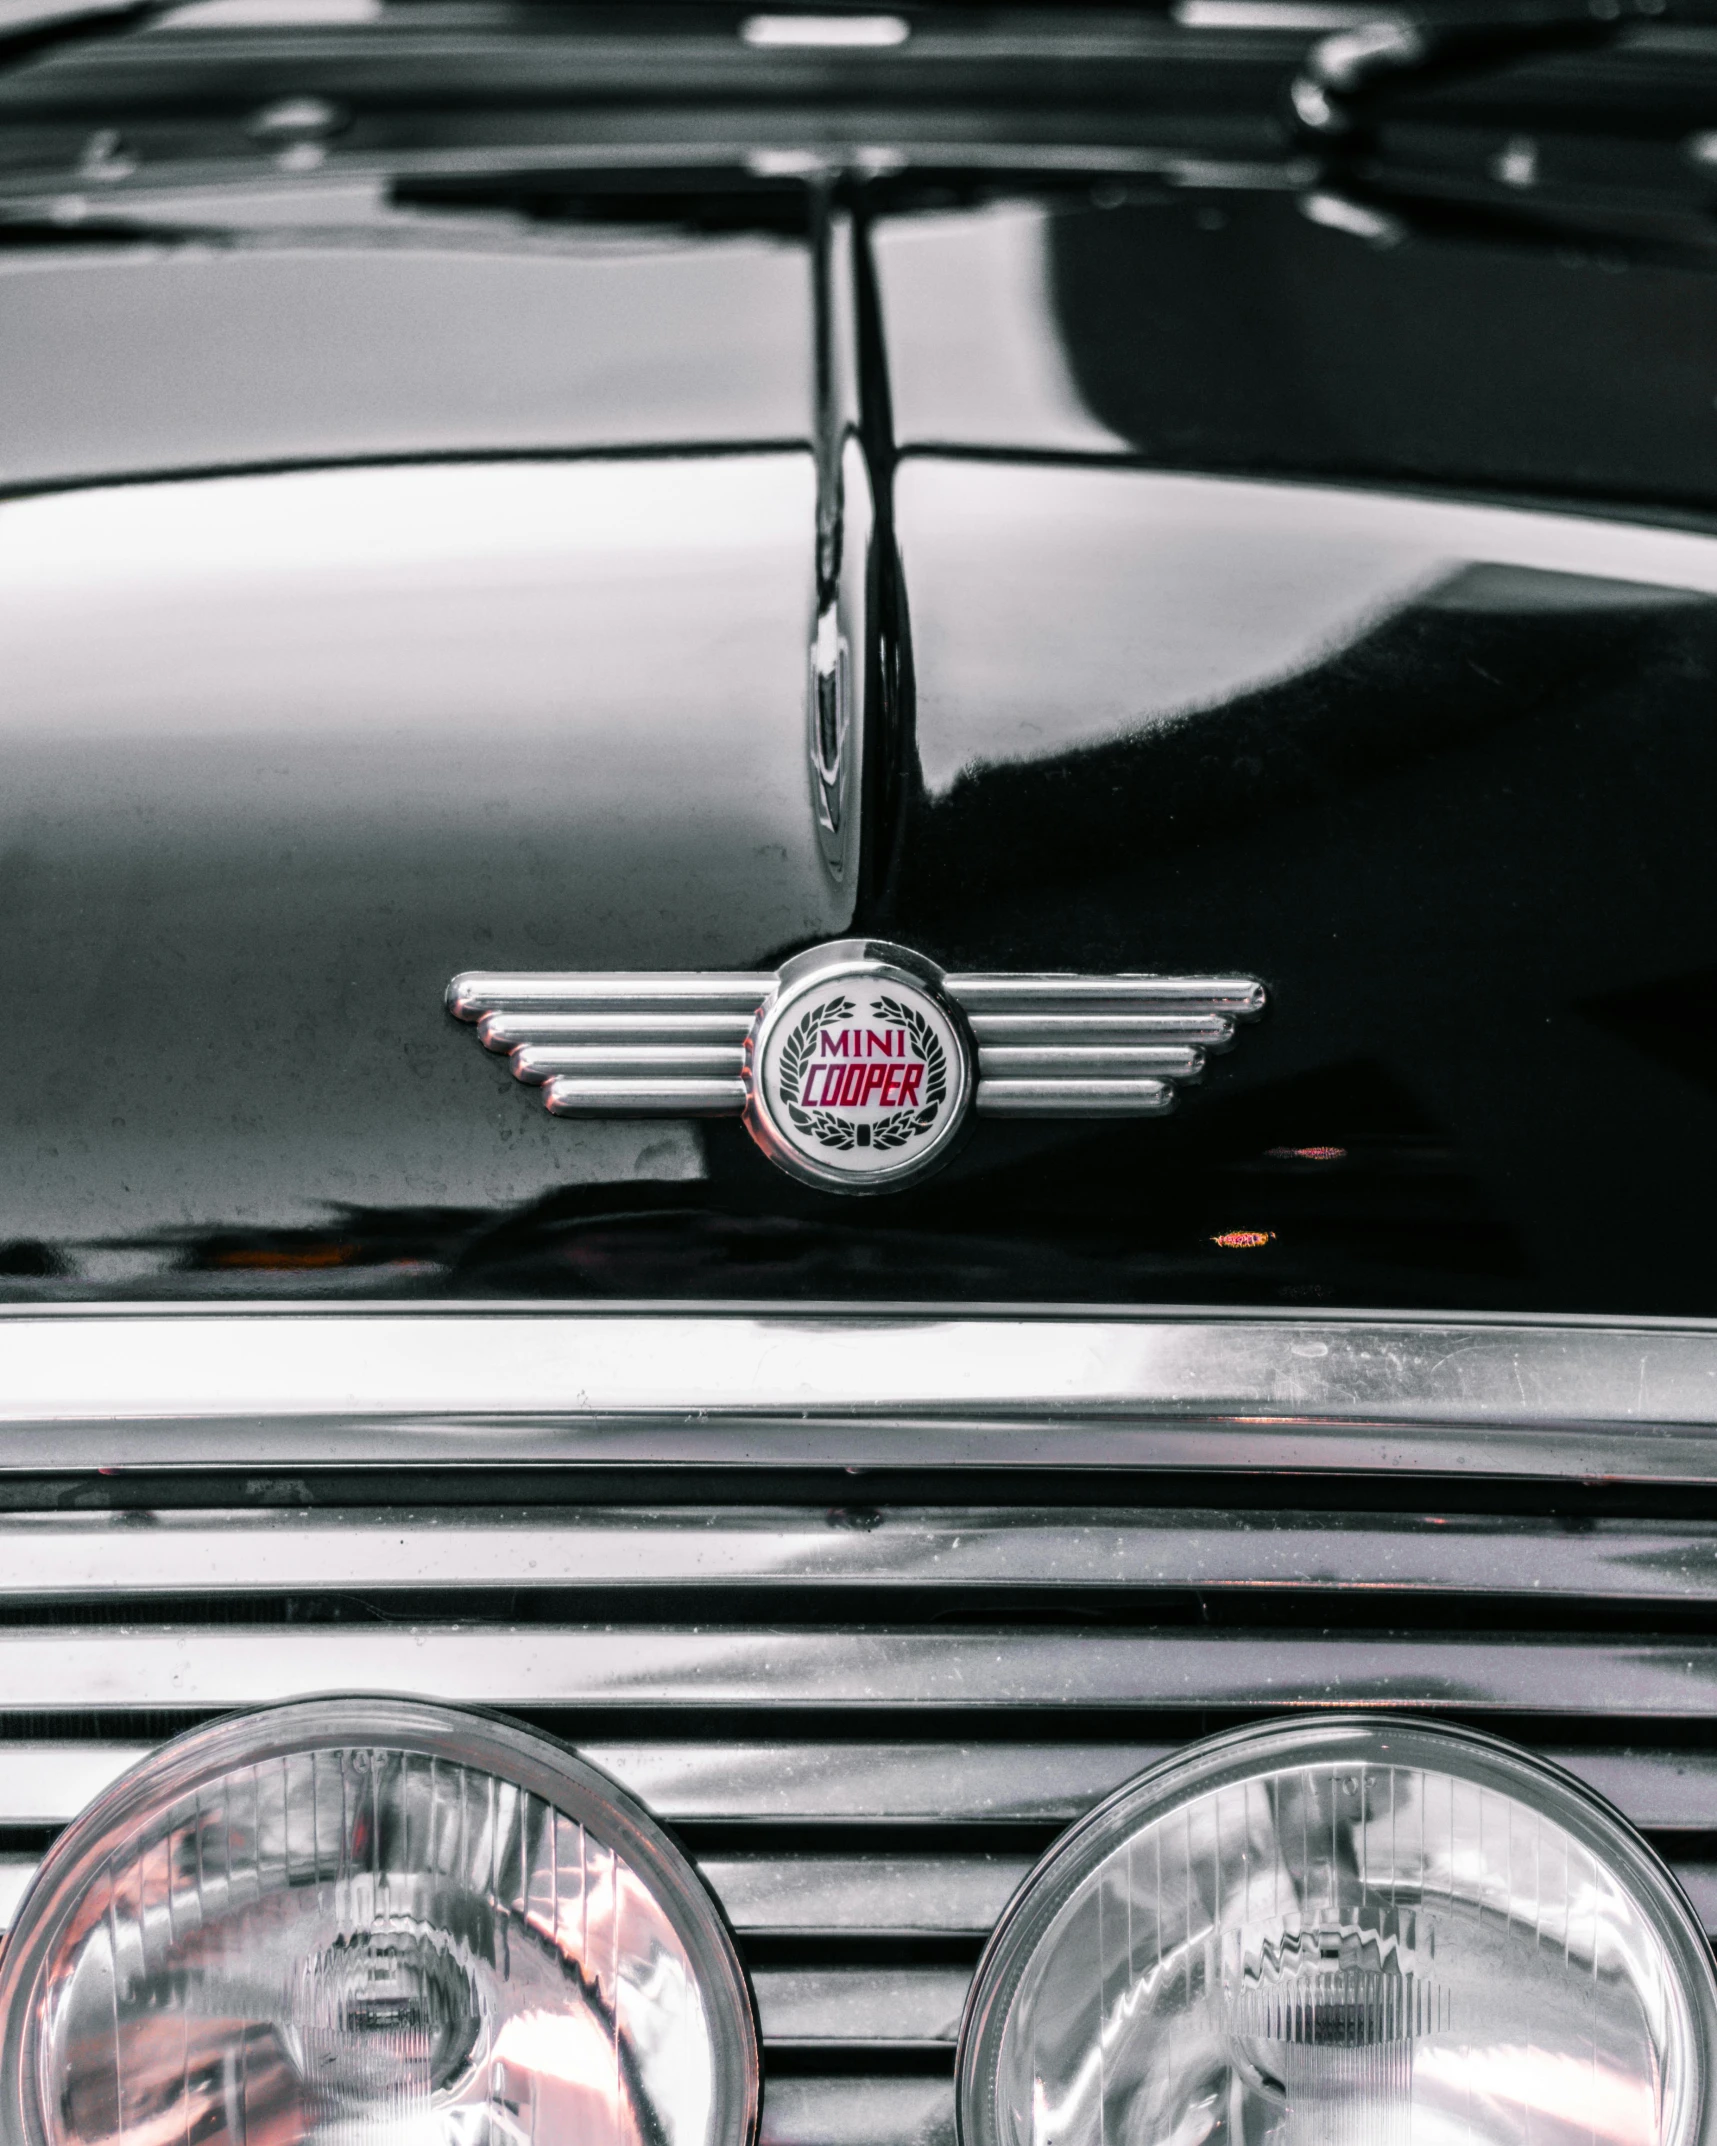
1240, 1754
471, 1736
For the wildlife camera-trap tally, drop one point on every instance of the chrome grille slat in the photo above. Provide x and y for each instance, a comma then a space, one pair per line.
52, 1669
47, 1783
1036, 1783
860, 2004
880, 1782
930, 1783
902, 1895
858, 2112
46, 1555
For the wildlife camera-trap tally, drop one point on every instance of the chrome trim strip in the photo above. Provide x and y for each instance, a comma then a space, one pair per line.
644, 991
290, 1385
1214, 1032
1001, 1061
908, 1894
60, 1669
47, 1784
858, 2112
1096, 1046
662, 1043
880, 1783
109, 1556
1049, 992
1662, 1790
506, 1031
533, 1063
860, 2004
1070, 1095
638, 1095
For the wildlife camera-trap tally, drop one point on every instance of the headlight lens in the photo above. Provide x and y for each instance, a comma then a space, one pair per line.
369, 1921
1351, 1933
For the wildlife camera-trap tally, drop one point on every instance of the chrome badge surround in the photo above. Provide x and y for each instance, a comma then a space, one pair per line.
858, 1068
705, 1043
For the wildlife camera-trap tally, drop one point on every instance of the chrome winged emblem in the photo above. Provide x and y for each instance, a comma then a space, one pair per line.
855, 1065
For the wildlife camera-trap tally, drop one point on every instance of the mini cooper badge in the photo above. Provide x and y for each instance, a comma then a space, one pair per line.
858, 1069
857, 1065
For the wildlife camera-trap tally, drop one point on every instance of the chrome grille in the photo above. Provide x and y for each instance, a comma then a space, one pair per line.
867, 1723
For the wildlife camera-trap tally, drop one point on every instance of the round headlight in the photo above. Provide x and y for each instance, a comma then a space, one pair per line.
371, 1921
1349, 1933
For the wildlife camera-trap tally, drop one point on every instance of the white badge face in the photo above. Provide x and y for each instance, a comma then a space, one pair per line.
858, 1074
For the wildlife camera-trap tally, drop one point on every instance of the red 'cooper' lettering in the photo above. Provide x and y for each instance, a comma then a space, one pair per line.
848, 1086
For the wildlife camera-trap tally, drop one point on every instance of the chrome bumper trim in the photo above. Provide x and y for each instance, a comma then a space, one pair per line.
192, 1386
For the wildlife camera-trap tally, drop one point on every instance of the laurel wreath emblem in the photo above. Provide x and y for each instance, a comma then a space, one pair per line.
900, 1126
903, 1125
796, 1055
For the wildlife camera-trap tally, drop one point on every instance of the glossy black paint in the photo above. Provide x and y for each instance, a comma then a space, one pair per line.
343, 733
1233, 331
285, 747
420, 342
1243, 335
1446, 785
1464, 838
1457, 846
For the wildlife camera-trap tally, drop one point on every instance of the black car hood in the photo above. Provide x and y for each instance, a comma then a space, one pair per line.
473, 632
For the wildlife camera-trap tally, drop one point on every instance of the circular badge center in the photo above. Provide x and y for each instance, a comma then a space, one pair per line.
861, 1075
